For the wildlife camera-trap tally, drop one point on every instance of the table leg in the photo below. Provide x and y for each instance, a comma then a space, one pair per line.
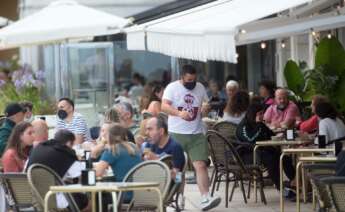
93, 201
100, 203
314, 200
114, 195
255, 183
304, 186
298, 206
281, 182
46, 199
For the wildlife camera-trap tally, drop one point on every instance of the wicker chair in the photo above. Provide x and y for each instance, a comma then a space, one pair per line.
336, 191
148, 171
226, 129
41, 178
228, 163
18, 189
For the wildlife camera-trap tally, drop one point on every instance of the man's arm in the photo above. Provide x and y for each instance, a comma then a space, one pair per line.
170, 110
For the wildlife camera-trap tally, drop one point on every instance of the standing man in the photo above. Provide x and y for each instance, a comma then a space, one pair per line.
70, 120
14, 113
183, 102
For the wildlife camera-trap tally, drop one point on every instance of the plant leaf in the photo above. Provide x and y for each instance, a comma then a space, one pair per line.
330, 54
294, 77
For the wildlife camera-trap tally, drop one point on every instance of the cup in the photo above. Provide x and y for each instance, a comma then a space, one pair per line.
321, 141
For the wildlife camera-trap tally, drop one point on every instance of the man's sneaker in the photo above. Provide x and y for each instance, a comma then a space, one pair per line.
209, 202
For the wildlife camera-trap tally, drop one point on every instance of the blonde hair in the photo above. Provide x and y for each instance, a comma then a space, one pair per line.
118, 136
112, 115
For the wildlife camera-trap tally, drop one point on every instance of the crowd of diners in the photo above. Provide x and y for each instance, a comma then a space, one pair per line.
170, 124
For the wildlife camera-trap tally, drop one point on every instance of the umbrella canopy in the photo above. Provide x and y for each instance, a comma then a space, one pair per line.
60, 21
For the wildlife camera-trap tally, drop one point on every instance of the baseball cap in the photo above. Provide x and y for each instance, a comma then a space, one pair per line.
13, 109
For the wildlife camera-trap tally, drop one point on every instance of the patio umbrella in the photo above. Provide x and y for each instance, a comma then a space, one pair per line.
58, 22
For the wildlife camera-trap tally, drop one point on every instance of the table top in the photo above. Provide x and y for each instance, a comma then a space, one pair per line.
307, 150
103, 186
318, 159
280, 143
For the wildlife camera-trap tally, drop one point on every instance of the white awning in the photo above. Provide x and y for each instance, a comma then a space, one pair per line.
206, 32
61, 20
287, 26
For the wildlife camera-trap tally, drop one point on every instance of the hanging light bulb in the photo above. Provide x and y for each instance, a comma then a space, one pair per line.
283, 45
236, 55
263, 45
243, 31
329, 35
313, 33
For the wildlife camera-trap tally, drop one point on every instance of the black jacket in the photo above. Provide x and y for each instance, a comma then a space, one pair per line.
53, 154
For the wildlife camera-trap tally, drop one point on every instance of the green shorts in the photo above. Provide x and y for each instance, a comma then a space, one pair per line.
194, 144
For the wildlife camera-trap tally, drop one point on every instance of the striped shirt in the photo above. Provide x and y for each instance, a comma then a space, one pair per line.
78, 126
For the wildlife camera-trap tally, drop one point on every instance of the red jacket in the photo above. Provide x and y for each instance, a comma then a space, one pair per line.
309, 125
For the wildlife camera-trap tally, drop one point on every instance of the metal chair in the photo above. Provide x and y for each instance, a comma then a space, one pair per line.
40, 179
229, 164
17, 187
226, 129
176, 191
148, 171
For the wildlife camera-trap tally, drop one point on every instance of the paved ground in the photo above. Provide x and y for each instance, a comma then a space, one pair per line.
238, 205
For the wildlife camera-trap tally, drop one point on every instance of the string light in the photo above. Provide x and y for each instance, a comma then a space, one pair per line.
283, 45
329, 35
243, 31
313, 32
236, 55
263, 45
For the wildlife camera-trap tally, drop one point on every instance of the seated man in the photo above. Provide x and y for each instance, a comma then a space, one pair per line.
161, 144
40, 131
58, 155
282, 114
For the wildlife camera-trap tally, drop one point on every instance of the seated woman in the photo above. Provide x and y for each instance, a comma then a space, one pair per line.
311, 125
236, 108
330, 123
154, 106
119, 154
18, 147
252, 129
266, 91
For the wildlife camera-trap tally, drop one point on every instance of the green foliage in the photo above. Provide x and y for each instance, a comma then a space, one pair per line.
327, 78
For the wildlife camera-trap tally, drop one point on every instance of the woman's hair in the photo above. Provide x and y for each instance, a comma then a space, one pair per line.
238, 103
118, 136
269, 85
252, 110
15, 142
319, 99
112, 115
325, 110
155, 89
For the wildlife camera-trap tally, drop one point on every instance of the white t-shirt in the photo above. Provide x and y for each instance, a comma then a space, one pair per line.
188, 100
331, 128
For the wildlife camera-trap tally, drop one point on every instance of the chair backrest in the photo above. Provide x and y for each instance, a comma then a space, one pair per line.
223, 153
149, 171
336, 189
18, 188
41, 178
226, 129
167, 160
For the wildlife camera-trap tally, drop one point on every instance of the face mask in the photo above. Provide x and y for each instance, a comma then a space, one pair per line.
62, 114
189, 85
281, 107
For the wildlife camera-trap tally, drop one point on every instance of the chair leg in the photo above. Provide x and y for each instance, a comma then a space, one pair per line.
232, 190
227, 190
213, 174
243, 191
249, 185
214, 182
219, 181
262, 193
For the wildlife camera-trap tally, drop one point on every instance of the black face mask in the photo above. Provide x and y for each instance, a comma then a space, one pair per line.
62, 114
189, 85
281, 107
